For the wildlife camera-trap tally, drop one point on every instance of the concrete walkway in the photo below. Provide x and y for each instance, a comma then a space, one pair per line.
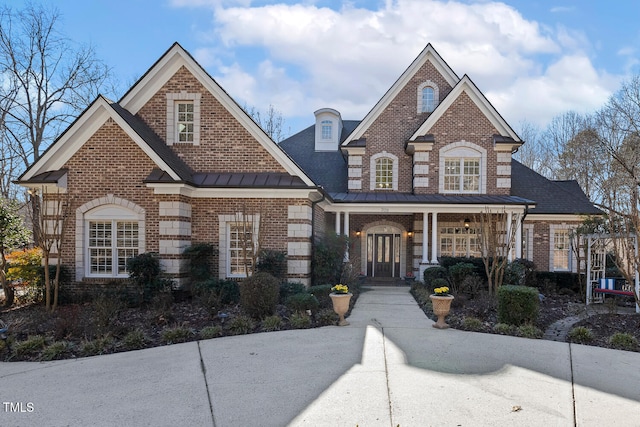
388, 368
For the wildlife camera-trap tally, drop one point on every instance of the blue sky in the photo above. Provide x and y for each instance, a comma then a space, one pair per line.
534, 59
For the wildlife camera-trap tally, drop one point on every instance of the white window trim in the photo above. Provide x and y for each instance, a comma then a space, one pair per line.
528, 238
224, 235
463, 149
172, 132
394, 171
436, 96
553, 228
104, 209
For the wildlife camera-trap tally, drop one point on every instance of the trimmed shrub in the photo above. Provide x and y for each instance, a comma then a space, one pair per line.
321, 292
448, 261
520, 272
56, 350
433, 273
326, 317
580, 335
144, 271
134, 340
517, 304
559, 280
201, 260
259, 295
272, 262
290, 288
458, 272
328, 259
303, 302
215, 293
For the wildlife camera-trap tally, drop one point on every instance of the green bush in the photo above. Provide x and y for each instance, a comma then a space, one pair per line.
303, 302
458, 273
97, 346
215, 293
241, 325
517, 304
326, 317
520, 272
623, 341
273, 262
448, 261
529, 331
328, 259
176, 335
272, 323
259, 295
438, 283
144, 271
472, 324
321, 292
290, 288
300, 320
209, 332
56, 350
503, 329
580, 335
29, 347
433, 273
559, 280
134, 340
201, 260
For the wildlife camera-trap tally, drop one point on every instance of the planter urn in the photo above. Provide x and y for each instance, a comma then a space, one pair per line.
441, 308
341, 306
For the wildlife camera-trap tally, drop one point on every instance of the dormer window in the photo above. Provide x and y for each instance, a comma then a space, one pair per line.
327, 129
428, 95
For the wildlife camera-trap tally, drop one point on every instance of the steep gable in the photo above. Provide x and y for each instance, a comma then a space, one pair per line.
228, 139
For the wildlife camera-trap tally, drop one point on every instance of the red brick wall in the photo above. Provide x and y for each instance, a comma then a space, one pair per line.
225, 145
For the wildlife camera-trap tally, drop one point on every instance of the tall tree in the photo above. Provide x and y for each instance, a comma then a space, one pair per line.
534, 153
46, 78
13, 234
271, 121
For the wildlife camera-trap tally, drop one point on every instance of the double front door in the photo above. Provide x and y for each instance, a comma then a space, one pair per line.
383, 255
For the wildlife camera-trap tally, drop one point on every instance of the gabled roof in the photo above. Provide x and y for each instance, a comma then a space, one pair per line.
175, 58
465, 85
552, 197
427, 54
59, 153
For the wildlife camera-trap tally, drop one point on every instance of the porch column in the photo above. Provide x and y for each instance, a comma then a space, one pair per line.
346, 232
425, 238
519, 240
338, 223
434, 237
509, 230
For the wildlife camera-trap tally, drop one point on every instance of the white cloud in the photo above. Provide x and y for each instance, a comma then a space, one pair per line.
311, 57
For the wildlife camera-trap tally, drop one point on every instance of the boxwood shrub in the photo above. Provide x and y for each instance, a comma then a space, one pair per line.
517, 304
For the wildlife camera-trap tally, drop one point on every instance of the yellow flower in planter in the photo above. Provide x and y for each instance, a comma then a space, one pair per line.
340, 289
441, 292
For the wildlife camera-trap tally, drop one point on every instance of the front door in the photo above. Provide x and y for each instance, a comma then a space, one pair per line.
384, 258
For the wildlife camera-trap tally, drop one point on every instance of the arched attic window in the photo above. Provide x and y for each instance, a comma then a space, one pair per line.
463, 168
428, 96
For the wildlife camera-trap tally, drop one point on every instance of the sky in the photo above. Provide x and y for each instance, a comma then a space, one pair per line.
533, 59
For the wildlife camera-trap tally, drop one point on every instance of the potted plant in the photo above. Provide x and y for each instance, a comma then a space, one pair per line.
340, 297
409, 278
441, 301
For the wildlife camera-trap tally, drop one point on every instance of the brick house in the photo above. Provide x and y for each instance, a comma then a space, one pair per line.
176, 161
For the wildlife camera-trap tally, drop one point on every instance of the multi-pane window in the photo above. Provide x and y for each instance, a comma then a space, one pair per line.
459, 242
326, 129
240, 249
561, 250
111, 244
384, 173
185, 121
462, 175
428, 99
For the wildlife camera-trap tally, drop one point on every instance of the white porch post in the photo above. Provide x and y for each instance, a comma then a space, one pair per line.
425, 238
338, 223
509, 230
346, 232
519, 239
434, 237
